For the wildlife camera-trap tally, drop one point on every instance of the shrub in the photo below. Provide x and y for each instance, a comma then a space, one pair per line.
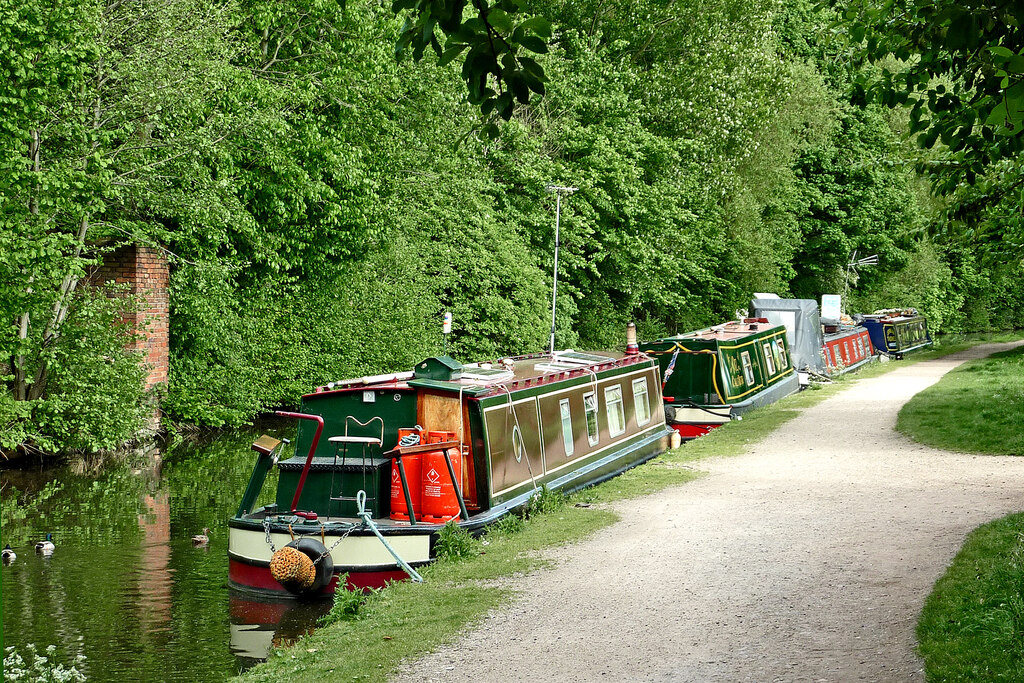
346, 603
455, 543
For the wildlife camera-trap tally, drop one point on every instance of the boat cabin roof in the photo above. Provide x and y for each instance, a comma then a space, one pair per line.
513, 373
730, 331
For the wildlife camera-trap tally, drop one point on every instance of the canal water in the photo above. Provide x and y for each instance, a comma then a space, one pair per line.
125, 593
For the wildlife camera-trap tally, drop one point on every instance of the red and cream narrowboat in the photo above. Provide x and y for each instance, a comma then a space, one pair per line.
382, 463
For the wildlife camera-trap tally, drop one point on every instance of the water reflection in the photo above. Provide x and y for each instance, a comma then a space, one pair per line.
125, 587
155, 578
256, 626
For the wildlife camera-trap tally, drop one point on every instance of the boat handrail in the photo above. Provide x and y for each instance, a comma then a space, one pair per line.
402, 451
312, 449
376, 418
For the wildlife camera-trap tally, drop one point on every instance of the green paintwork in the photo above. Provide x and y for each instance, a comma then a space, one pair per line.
490, 442
336, 406
693, 379
442, 385
440, 367
339, 471
904, 334
539, 389
336, 478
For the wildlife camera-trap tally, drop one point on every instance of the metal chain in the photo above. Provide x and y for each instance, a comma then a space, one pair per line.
325, 553
266, 530
351, 528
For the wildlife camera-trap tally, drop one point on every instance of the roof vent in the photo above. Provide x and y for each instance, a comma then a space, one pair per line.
442, 368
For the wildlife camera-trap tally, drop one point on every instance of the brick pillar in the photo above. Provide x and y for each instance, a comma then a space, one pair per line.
147, 273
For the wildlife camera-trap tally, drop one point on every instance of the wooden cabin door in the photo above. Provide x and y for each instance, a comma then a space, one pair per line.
443, 413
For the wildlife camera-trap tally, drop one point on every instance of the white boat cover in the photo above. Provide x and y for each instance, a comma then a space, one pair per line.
803, 329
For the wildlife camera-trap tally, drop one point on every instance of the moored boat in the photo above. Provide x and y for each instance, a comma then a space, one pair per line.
716, 374
897, 331
846, 347
820, 346
382, 463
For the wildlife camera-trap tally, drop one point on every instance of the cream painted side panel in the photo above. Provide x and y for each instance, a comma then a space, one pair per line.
354, 551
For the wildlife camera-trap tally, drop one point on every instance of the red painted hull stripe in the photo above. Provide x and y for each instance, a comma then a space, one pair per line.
259, 578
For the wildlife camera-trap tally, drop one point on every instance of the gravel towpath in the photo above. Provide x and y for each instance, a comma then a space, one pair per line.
807, 559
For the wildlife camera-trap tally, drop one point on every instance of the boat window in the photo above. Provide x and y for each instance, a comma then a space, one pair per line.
748, 368
590, 408
616, 413
641, 404
781, 350
768, 361
567, 439
860, 343
517, 443
846, 352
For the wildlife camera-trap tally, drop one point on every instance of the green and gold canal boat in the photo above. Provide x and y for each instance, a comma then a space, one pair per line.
716, 374
896, 331
382, 463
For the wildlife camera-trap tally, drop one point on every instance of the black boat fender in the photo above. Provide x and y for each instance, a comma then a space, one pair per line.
318, 553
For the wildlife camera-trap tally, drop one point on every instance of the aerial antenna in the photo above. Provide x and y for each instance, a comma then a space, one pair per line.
558, 190
851, 271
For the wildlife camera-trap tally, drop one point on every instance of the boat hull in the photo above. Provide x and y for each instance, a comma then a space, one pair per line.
361, 555
897, 335
493, 438
847, 350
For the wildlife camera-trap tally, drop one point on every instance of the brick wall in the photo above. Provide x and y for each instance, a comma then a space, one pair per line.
146, 271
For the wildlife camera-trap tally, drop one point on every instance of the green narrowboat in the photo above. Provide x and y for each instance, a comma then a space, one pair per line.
895, 332
382, 463
716, 374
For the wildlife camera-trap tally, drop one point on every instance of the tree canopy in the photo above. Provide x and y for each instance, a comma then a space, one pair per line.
322, 202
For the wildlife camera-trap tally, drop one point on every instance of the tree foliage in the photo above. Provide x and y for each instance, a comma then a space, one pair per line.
959, 67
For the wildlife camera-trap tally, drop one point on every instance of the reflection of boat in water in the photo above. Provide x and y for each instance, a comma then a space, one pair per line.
402, 454
257, 626
716, 374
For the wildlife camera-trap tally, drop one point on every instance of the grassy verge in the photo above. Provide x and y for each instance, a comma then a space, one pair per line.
976, 408
406, 620
972, 625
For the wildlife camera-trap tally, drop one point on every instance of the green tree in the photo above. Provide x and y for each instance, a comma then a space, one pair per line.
959, 67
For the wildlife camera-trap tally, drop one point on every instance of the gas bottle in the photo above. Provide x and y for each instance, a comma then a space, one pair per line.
439, 503
413, 470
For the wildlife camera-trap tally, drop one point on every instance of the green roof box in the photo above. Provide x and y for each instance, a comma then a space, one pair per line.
442, 367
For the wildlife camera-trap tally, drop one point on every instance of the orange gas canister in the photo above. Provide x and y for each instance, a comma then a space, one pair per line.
439, 503
413, 471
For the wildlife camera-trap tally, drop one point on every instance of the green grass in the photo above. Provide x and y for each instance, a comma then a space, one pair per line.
407, 620
972, 625
976, 408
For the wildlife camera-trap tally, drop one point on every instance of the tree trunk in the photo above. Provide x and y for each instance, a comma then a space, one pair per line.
21, 388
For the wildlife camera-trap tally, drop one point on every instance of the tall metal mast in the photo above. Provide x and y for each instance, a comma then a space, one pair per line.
558, 190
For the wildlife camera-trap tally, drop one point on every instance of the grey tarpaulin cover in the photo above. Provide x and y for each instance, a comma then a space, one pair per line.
803, 328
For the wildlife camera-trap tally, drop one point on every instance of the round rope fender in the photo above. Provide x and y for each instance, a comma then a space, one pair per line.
304, 566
